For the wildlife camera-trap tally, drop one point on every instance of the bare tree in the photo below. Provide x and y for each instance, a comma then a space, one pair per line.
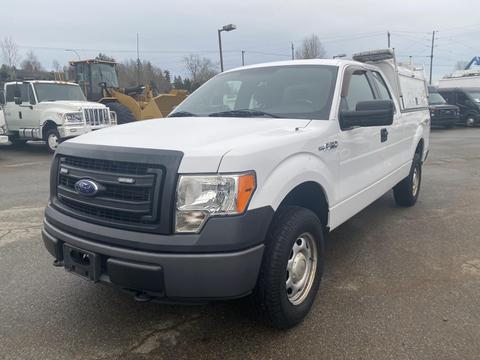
56, 66
31, 63
10, 54
200, 69
149, 73
311, 48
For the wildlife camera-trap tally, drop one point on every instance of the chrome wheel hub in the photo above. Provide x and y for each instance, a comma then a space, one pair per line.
52, 141
301, 268
415, 181
470, 121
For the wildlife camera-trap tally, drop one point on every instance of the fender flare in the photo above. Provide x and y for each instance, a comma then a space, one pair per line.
293, 171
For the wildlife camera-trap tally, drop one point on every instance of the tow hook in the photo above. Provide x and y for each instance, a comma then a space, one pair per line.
142, 297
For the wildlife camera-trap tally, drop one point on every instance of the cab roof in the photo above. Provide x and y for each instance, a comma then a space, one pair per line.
92, 61
41, 82
328, 62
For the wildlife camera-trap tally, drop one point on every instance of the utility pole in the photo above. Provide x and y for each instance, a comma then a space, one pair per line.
243, 57
431, 55
138, 61
388, 37
293, 52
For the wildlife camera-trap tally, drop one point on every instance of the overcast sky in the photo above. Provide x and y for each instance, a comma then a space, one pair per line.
170, 30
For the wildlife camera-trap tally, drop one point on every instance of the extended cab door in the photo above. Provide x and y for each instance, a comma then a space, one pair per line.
361, 162
395, 137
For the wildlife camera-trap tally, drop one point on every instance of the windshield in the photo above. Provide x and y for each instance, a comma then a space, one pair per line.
475, 95
104, 73
298, 91
436, 99
56, 91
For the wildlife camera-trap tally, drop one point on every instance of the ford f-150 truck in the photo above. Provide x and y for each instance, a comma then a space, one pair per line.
51, 111
233, 194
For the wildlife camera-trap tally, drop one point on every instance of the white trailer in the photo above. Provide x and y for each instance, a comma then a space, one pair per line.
461, 79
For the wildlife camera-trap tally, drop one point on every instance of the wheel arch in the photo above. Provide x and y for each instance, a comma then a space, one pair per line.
48, 125
309, 195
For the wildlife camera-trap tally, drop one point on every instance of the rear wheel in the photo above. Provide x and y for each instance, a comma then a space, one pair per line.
124, 115
406, 192
292, 268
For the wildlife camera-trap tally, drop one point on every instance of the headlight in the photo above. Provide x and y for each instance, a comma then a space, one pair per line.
202, 196
74, 117
2, 130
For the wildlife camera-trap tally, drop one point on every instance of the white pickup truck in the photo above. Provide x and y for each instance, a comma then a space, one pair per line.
51, 111
233, 194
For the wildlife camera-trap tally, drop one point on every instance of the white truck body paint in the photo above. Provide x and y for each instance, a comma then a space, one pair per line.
285, 153
27, 120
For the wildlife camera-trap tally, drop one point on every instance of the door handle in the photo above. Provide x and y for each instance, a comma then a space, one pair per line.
383, 135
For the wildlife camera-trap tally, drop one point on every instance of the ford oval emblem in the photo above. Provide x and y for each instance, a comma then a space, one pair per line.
86, 187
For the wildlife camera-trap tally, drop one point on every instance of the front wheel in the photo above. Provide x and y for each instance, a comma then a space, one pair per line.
52, 140
124, 115
471, 120
292, 268
406, 191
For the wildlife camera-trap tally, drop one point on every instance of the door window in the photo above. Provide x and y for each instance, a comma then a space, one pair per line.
17, 89
359, 90
383, 92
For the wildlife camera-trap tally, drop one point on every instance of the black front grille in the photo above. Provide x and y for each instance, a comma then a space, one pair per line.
122, 167
119, 192
129, 194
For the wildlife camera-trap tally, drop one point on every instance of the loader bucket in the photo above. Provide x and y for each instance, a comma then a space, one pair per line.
161, 105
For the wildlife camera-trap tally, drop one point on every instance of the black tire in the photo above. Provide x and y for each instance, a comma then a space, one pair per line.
270, 297
124, 115
49, 137
404, 192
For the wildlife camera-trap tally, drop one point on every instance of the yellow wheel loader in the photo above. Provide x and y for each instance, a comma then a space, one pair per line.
99, 82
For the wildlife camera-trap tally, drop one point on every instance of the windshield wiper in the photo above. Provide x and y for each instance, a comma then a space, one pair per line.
182, 114
243, 113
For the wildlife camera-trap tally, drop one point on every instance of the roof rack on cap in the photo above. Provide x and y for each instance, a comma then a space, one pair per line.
374, 55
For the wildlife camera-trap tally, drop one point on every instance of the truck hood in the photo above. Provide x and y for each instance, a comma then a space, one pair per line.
203, 140
72, 105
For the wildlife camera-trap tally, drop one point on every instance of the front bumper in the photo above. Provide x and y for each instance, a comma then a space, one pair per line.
76, 130
171, 276
449, 120
3, 139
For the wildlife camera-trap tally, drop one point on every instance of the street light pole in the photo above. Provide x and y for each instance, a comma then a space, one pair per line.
228, 27
74, 51
220, 49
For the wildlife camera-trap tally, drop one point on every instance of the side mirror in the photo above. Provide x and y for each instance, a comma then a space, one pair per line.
17, 100
368, 113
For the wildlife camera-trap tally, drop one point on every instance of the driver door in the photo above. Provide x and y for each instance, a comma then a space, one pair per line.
20, 116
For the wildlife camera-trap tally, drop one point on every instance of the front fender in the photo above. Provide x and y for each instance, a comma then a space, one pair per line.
299, 168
